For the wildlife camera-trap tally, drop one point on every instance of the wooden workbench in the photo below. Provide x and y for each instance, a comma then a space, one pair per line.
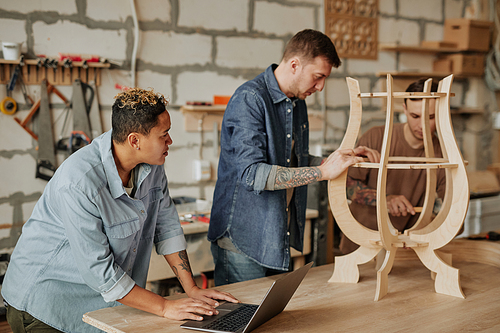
318, 306
200, 255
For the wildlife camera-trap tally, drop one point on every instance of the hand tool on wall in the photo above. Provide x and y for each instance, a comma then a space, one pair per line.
81, 102
94, 113
8, 105
46, 161
36, 106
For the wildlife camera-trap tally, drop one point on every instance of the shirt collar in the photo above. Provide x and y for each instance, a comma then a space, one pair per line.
114, 181
272, 85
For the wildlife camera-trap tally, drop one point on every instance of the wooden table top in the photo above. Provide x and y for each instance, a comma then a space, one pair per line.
319, 306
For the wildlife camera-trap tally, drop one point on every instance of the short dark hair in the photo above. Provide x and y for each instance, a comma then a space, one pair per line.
136, 110
418, 86
309, 44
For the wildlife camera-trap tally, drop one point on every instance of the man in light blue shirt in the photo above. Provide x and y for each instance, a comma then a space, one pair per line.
88, 242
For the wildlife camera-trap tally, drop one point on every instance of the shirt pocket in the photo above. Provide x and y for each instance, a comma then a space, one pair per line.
123, 229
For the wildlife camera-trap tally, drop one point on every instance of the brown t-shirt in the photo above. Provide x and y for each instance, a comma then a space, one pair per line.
410, 183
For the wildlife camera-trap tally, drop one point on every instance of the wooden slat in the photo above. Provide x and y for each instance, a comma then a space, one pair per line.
410, 95
407, 166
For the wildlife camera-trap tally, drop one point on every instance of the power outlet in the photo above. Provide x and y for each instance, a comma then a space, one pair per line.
201, 170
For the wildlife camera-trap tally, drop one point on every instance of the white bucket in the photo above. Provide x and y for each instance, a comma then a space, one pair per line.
11, 51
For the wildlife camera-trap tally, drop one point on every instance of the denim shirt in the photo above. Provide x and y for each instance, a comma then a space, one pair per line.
259, 124
87, 242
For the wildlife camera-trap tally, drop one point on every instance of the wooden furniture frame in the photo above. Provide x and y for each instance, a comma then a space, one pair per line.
426, 236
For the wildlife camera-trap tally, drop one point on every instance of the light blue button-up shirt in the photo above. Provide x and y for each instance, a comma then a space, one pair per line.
87, 242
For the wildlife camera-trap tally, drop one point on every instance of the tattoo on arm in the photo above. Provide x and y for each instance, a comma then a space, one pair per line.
294, 177
360, 193
184, 265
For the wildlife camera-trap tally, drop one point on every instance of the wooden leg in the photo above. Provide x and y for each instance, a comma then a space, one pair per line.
382, 274
346, 267
447, 277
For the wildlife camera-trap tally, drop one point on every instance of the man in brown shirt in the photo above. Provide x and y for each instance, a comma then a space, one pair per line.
405, 188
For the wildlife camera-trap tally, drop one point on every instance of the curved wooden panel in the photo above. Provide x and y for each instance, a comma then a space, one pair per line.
351, 228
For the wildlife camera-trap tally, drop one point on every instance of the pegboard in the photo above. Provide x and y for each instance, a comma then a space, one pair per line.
353, 27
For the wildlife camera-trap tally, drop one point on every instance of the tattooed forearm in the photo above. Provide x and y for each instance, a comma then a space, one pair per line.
360, 193
293, 177
185, 262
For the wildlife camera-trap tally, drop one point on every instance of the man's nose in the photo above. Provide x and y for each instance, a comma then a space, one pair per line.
320, 85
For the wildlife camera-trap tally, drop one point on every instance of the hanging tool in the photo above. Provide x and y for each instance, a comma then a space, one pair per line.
81, 134
36, 106
46, 161
94, 113
8, 105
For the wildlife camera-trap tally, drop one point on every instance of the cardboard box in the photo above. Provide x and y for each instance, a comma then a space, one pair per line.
470, 35
460, 64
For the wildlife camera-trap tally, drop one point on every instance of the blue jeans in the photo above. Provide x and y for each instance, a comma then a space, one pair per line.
232, 267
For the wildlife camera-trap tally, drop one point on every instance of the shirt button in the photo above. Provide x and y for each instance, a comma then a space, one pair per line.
288, 160
288, 135
288, 233
286, 209
288, 100
289, 110
142, 211
135, 249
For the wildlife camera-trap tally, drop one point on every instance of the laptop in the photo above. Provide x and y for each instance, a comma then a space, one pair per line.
242, 318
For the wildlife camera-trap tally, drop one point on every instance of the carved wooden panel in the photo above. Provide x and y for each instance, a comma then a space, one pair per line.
353, 27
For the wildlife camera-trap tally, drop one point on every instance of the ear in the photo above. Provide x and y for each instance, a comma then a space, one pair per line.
294, 64
133, 140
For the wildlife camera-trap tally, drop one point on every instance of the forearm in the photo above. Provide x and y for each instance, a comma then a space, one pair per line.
179, 262
358, 192
144, 300
294, 177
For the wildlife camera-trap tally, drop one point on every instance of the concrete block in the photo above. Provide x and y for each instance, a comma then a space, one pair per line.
214, 14
314, 2
161, 83
398, 31
14, 137
275, 18
202, 86
107, 90
13, 31
63, 7
478, 95
414, 62
69, 37
453, 8
387, 7
242, 52
173, 49
110, 10
6, 212
433, 31
337, 93
21, 176
427, 9
386, 62
150, 10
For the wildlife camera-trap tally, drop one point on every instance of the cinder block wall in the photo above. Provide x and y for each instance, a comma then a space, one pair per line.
193, 49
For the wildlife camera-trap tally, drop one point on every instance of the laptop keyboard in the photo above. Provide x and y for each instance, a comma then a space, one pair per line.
233, 320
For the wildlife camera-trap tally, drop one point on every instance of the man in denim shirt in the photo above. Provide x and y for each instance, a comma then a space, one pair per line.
260, 197
88, 243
